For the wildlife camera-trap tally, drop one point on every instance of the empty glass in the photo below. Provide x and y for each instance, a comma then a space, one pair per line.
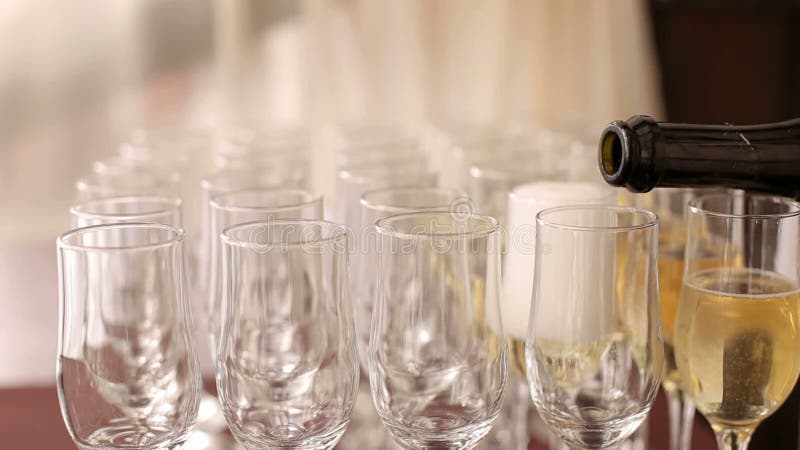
401, 151
247, 205
376, 205
243, 142
153, 209
594, 353
354, 181
105, 185
128, 376
230, 180
180, 149
737, 343
287, 369
437, 353
491, 181
524, 202
119, 166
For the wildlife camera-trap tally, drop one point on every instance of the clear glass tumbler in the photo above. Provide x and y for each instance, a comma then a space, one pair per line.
128, 376
594, 353
248, 205
437, 354
375, 205
287, 369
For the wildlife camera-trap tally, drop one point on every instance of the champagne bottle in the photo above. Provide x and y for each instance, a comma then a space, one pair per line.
641, 154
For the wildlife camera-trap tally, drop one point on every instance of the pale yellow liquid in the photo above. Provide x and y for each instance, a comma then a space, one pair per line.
571, 365
670, 283
670, 276
737, 343
516, 357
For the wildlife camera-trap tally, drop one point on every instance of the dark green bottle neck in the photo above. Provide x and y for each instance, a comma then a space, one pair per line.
641, 154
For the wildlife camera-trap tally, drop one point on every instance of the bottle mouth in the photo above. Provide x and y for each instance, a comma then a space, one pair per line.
612, 152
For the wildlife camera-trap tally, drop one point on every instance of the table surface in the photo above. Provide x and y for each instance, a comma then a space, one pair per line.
30, 419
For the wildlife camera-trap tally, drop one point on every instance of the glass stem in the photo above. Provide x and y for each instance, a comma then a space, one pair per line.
681, 419
519, 414
733, 438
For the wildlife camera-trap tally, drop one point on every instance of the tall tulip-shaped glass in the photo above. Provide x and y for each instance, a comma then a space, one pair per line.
737, 343
594, 353
287, 369
241, 206
128, 376
437, 355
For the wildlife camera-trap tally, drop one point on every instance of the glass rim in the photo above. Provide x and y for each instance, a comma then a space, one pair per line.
118, 164
345, 161
142, 152
517, 195
289, 157
92, 182
361, 173
169, 204
338, 232
218, 179
375, 206
357, 148
248, 130
62, 241
694, 206
492, 228
264, 143
651, 222
310, 198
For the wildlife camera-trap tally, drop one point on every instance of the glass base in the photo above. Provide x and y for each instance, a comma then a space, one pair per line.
173, 446
466, 437
321, 442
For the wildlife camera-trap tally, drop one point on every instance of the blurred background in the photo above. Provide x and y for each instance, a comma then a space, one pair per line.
76, 77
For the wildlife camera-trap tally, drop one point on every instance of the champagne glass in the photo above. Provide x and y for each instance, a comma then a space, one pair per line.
354, 181
287, 369
378, 204
389, 152
737, 344
524, 202
258, 188
247, 142
594, 353
671, 206
437, 355
103, 185
128, 376
154, 209
491, 181
119, 166
182, 149
247, 205
229, 180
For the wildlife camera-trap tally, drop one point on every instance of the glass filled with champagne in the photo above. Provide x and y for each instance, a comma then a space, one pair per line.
737, 343
671, 207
